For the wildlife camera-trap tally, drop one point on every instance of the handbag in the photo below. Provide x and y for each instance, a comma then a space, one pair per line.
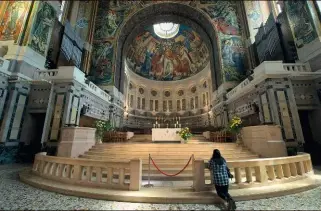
229, 173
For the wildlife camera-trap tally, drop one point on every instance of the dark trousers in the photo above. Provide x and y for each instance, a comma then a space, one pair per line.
222, 191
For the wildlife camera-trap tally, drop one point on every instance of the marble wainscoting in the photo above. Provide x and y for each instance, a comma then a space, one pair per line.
76, 141
264, 140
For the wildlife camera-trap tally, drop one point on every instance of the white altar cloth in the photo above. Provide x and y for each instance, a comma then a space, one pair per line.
166, 134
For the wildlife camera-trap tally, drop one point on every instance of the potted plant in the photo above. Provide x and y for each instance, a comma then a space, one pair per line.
185, 134
101, 127
235, 127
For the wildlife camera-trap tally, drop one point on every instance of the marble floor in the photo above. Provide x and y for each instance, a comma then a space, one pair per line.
16, 195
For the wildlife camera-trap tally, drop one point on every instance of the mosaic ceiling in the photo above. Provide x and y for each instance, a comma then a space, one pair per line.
168, 59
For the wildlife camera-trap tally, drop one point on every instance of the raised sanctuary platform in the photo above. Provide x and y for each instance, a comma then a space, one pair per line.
117, 180
170, 158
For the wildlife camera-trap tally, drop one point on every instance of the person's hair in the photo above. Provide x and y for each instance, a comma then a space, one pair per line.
217, 157
216, 154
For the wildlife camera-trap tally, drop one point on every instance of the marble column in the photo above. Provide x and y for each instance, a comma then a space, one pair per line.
14, 110
64, 110
14, 113
283, 109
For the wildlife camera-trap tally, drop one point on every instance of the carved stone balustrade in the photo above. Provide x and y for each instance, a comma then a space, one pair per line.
90, 173
258, 172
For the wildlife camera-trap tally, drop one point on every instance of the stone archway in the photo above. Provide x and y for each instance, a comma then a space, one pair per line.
167, 12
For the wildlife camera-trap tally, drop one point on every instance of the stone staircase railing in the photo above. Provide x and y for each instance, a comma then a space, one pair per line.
90, 173
265, 171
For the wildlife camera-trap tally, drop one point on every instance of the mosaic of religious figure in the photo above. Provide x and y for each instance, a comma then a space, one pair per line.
253, 11
168, 59
254, 16
107, 24
102, 62
301, 22
109, 20
13, 19
41, 27
225, 21
85, 11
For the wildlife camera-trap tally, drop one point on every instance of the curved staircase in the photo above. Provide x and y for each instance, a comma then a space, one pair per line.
170, 158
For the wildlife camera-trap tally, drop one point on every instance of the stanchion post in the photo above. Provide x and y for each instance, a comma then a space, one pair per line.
148, 169
149, 185
193, 163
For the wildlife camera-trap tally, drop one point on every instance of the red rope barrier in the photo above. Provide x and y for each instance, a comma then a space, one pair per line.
171, 175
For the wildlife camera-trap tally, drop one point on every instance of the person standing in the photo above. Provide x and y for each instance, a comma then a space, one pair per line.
221, 175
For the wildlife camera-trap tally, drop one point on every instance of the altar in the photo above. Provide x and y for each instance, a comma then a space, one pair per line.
166, 135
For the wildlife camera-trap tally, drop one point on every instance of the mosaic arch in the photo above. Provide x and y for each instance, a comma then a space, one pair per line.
172, 59
117, 20
166, 12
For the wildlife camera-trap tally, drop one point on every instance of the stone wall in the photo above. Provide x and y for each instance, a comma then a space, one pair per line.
147, 99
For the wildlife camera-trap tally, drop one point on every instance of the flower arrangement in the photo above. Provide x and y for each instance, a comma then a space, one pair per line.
101, 127
185, 133
235, 125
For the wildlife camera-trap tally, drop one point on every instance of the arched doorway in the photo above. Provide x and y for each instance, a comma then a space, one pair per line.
167, 12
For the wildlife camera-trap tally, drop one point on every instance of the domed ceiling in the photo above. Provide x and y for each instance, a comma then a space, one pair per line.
181, 53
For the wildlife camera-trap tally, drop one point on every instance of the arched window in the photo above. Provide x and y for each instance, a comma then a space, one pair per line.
166, 30
61, 10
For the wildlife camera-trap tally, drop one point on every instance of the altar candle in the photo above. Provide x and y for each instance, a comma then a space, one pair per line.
180, 125
153, 125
